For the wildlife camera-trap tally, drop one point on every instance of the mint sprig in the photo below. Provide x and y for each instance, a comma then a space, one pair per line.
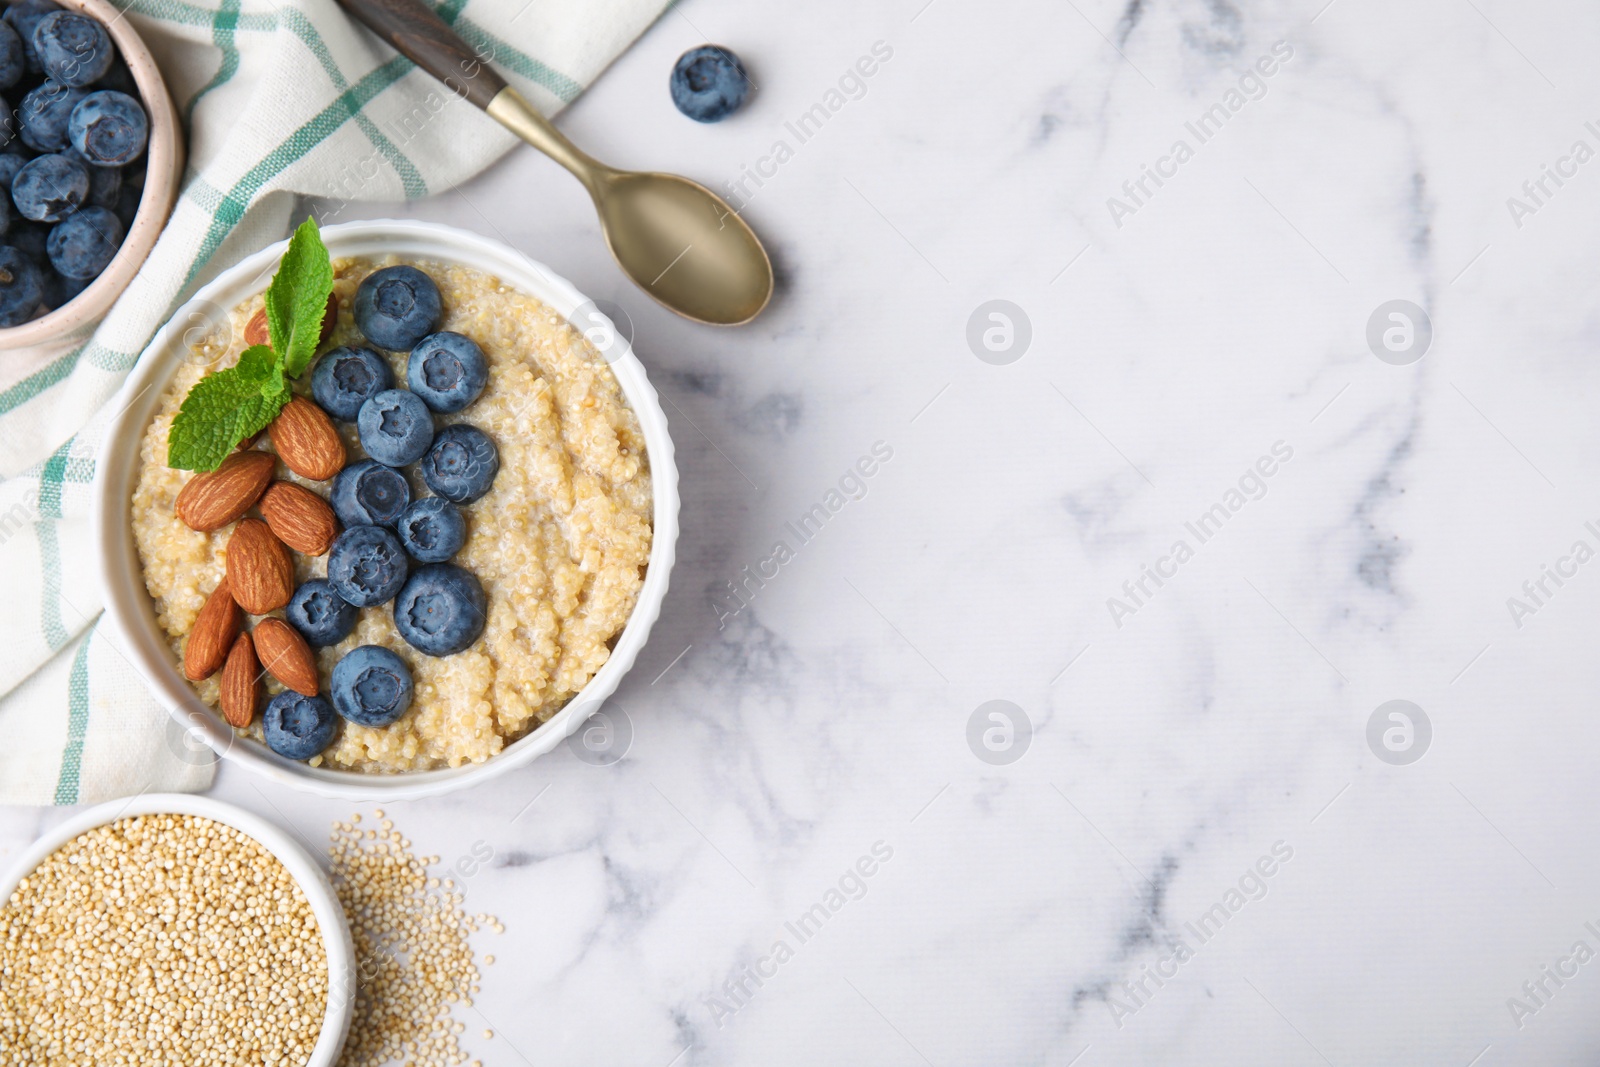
224, 408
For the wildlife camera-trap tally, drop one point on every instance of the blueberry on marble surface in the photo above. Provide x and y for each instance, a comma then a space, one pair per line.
369, 494
367, 565
396, 427
348, 377
298, 727
322, 616
396, 307
432, 530
20, 287
462, 463
84, 243
447, 370
709, 83
371, 686
108, 128
441, 610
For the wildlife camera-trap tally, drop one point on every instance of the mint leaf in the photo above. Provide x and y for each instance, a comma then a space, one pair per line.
262, 367
224, 408
298, 298
231, 405
255, 363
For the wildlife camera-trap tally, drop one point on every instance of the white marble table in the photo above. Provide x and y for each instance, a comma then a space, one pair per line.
1104, 898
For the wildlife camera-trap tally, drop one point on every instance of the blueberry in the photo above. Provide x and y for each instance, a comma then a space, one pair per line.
322, 616
84, 243
709, 83
73, 49
369, 494
447, 371
5, 215
21, 289
119, 77
105, 183
43, 115
396, 307
371, 686
58, 289
462, 463
432, 530
127, 207
29, 238
13, 61
367, 566
23, 17
108, 128
50, 188
346, 378
298, 727
395, 427
10, 163
440, 610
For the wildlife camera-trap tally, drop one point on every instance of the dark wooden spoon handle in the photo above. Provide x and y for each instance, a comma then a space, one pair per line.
422, 37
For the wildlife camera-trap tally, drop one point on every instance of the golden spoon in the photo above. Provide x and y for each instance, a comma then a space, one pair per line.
676, 239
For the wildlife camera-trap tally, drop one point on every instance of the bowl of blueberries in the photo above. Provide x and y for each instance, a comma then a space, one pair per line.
90, 158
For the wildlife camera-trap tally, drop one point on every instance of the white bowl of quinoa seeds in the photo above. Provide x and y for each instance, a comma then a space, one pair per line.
168, 930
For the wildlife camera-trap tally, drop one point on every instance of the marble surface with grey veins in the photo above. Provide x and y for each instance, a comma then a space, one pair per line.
1066, 735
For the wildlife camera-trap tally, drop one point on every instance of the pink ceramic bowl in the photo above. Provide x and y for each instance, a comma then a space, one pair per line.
163, 170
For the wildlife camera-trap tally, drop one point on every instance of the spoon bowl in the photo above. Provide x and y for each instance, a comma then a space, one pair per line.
684, 246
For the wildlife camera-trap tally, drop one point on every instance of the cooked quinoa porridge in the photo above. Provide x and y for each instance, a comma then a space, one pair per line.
560, 542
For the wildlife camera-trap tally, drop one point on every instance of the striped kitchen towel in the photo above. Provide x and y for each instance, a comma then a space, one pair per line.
281, 98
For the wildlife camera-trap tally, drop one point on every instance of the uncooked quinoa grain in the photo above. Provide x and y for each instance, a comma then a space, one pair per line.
160, 940
414, 961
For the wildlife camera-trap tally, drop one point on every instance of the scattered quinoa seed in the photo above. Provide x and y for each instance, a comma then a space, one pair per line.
413, 956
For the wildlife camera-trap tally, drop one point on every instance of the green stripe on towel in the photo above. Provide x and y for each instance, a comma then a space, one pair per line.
222, 28
77, 723
37, 382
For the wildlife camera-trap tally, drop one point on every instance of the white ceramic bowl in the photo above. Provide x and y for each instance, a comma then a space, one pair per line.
129, 608
302, 868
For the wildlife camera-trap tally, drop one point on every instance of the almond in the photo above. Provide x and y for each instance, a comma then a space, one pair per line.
306, 441
285, 653
301, 519
260, 572
214, 630
241, 678
212, 499
256, 333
